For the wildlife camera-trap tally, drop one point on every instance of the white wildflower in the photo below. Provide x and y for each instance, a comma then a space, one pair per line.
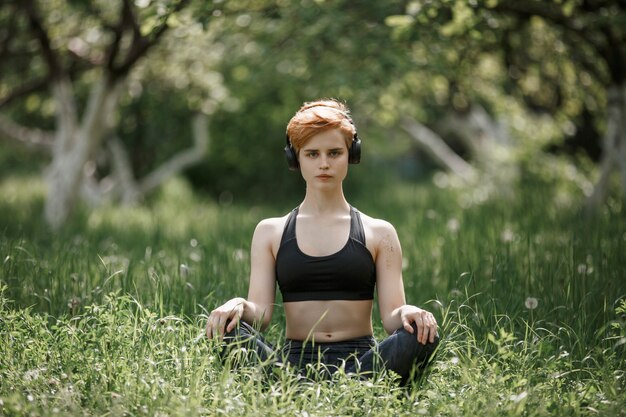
531, 303
519, 397
184, 270
405, 263
240, 255
453, 225
507, 235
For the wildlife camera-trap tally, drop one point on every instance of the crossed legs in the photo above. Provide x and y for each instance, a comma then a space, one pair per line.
400, 352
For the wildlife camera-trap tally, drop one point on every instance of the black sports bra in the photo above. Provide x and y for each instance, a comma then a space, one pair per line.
349, 274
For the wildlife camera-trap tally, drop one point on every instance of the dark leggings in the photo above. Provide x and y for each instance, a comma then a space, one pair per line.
399, 352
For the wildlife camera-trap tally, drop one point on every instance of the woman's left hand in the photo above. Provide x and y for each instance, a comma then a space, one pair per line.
425, 323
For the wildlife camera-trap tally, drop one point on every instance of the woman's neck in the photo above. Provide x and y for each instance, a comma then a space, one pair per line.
316, 202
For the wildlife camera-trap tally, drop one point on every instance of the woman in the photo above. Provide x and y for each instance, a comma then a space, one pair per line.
327, 259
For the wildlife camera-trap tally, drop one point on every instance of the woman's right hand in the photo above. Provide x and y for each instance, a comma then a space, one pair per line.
230, 312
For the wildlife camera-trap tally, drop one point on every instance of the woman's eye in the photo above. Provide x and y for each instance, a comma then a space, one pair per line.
311, 154
335, 154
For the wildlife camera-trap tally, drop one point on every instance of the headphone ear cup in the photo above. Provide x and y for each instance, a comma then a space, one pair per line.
354, 156
292, 158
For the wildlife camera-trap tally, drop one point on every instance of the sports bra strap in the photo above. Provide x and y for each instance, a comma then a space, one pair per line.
356, 226
290, 227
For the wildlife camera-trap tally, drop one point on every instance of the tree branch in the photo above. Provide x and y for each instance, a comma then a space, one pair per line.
436, 148
593, 6
141, 44
123, 171
546, 10
30, 137
574, 25
614, 56
98, 115
182, 160
127, 19
42, 84
38, 29
8, 33
613, 140
24, 89
575, 30
123, 181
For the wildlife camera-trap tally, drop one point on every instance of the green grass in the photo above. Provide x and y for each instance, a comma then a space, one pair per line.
106, 318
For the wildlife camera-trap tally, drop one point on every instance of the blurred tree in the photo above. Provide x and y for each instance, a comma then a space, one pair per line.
280, 56
471, 72
593, 32
272, 55
565, 58
451, 96
82, 54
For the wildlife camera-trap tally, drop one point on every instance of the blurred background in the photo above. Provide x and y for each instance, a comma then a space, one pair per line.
141, 141
104, 101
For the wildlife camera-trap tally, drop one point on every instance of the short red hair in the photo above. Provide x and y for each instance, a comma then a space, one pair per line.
318, 116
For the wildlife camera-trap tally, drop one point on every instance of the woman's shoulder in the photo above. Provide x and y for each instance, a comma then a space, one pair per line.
271, 226
268, 233
376, 225
378, 232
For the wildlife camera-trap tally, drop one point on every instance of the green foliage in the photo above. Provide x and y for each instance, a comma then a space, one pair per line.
109, 316
118, 357
250, 65
280, 55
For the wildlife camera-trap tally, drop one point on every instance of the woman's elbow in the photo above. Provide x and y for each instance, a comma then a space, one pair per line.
265, 322
265, 318
389, 326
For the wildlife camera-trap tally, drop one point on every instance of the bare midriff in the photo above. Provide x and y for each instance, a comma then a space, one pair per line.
328, 321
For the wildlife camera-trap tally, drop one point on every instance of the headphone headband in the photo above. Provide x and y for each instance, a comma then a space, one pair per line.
354, 151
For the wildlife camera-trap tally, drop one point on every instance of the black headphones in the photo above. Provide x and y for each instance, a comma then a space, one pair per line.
354, 153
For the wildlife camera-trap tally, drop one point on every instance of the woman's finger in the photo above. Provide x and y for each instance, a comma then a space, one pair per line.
419, 323
407, 325
214, 326
233, 322
429, 328
209, 328
433, 329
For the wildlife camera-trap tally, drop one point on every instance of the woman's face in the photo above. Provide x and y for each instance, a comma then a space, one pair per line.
324, 159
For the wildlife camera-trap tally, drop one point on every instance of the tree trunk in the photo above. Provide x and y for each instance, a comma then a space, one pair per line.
122, 185
479, 132
431, 143
182, 159
614, 147
74, 144
489, 144
32, 138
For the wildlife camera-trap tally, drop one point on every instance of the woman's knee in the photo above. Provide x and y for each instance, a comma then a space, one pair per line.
241, 330
405, 334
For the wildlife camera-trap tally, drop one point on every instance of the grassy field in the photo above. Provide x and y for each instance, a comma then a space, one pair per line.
106, 318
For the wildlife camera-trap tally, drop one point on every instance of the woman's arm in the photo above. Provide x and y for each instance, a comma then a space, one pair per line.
394, 311
258, 307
